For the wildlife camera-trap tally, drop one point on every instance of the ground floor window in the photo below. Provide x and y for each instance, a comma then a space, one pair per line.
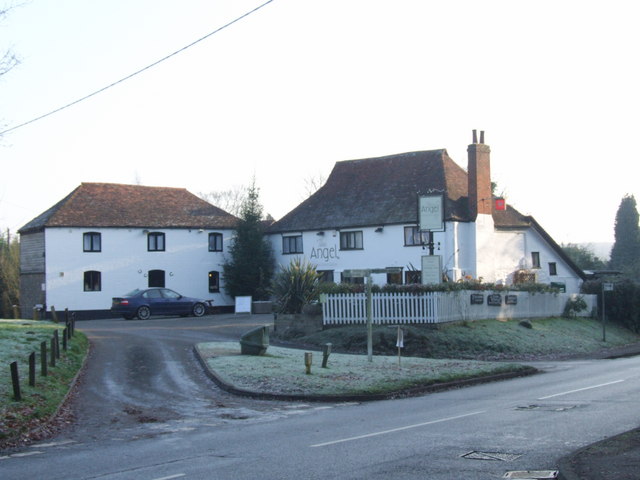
412, 276
394, 278
214, 282
325, 276
92, 281
354, 280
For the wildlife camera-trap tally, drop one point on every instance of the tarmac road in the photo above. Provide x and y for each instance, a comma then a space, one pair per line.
145, 410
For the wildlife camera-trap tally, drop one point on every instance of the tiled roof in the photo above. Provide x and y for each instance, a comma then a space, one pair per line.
380, 191
116, 205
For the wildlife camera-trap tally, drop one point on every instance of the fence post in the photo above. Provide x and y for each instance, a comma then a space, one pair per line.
43, 359
53, 351
56, 337
32, 369
15, 380
64, 339
54, 315
16, 311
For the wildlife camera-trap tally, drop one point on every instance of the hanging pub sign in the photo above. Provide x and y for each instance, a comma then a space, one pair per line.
431, 213
494, 300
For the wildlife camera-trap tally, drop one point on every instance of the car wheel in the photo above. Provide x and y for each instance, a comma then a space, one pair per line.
144, 312
198, 309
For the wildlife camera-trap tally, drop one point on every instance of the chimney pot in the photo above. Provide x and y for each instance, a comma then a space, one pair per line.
482, 136
475, 137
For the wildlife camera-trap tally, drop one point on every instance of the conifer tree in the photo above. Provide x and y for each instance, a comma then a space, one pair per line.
625, 254
249, 269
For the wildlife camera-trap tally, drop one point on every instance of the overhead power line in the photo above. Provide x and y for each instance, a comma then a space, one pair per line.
144, 69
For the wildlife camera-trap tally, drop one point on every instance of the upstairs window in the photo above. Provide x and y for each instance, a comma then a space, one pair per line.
351, 240
413, 236
553, 269
292, 244
92, 281
215, 242
155, 242
91, 242
535, 259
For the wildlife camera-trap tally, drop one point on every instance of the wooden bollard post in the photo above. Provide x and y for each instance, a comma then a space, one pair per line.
54, 315
308, 357
56, 339
16, 311
15, 380
43, 359
66, 315
326, 351
64, 339
32, 369
53, 352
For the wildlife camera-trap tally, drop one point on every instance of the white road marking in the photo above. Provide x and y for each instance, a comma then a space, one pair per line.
581, 389
179, 475
407, 427
25, 454
53, 444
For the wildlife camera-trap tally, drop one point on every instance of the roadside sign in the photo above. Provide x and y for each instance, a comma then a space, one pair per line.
607, 287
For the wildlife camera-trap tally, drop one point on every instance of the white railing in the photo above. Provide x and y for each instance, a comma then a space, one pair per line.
440, 307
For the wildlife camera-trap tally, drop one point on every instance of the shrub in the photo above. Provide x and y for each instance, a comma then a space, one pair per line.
295, 286
574, 306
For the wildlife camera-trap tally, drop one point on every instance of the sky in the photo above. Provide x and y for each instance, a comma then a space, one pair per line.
284, 93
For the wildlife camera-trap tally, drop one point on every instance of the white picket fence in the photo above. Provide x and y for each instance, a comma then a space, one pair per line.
440, 307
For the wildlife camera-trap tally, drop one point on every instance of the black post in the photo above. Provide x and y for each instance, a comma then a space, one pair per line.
56, 337
53, 351
15, 379
32, 369
64, 339
43, 358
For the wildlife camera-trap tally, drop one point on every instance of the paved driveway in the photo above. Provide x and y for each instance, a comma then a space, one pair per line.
142, 377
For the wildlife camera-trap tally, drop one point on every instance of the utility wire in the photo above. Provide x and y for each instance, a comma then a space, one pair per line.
124, 79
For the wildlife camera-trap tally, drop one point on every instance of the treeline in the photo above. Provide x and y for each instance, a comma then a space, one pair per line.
9, 274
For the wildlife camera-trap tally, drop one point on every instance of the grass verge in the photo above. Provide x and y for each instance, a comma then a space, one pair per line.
486, 340
18, 339
282, 371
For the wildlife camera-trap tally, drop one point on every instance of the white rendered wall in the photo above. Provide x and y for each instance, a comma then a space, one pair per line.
124, 262
380, 250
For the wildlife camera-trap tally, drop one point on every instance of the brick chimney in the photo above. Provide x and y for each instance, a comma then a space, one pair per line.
479, 172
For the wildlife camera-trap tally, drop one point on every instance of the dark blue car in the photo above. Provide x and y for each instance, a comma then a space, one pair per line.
157, 301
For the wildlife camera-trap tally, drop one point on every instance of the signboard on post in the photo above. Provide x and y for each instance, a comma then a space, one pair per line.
431, 269
431, 213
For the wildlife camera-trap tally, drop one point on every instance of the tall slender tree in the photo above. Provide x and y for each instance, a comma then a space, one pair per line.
9, 274
625, 254
249, 268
